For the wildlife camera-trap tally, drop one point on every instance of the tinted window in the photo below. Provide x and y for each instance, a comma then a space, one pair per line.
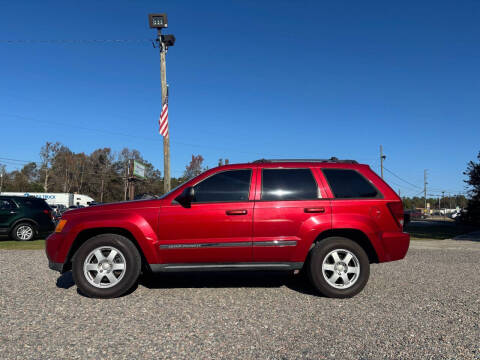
6, 204
32, 202
288, 184
225, 186
347, 184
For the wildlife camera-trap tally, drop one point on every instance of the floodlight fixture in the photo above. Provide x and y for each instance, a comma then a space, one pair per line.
168, 40
158, 21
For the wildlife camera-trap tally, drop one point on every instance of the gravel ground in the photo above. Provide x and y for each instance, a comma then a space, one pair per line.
426, 306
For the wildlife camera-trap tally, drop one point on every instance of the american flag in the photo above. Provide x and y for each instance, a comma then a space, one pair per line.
163, 121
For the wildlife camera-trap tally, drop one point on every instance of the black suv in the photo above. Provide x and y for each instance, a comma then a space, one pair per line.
23, 218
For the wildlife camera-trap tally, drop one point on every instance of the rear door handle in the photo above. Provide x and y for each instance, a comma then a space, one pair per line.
236, 212
315, 210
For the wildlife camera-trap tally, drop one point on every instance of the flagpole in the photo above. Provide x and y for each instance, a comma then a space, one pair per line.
166, 139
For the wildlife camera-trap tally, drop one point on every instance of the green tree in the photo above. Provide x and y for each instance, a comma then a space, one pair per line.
473, 207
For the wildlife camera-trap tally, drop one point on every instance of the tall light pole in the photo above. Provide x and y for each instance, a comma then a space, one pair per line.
382, 157
159, 21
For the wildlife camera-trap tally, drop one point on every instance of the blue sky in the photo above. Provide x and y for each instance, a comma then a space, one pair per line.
250, 79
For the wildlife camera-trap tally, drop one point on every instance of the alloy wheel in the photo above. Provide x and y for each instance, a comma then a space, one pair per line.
24, 232
104, 267
341, 268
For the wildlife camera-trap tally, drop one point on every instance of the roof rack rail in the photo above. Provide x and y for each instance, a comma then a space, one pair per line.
331, 160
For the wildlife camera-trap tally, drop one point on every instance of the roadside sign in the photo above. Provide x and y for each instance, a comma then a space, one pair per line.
138, 169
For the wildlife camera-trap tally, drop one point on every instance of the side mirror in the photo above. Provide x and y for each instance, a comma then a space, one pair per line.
186, 197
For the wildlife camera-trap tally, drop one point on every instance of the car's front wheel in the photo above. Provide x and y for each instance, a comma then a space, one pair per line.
106, 266
338, 267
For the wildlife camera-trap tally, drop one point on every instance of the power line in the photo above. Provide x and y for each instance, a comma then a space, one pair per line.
408, 188
76, 41
398, 177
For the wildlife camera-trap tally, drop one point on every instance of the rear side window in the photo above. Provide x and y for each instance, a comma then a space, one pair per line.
226, 186
34, 203
349, 184
288, 184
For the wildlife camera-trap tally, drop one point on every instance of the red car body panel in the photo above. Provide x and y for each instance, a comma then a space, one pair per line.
140, 218
204, 224
248, 231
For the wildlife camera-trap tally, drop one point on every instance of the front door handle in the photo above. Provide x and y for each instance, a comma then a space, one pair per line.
315, 210
236, 212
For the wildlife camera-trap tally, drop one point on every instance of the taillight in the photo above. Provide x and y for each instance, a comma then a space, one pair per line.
49, 213
396, 208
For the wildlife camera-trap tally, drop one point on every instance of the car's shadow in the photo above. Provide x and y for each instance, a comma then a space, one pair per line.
214, 279
65, 281
228, 279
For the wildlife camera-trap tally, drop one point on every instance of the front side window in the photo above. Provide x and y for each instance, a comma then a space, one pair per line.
288, 184
226, 186
349, 184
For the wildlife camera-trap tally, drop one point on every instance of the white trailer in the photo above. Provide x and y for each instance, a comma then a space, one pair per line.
65, 199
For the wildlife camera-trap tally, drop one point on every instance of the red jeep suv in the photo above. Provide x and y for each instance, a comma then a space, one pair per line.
331, 218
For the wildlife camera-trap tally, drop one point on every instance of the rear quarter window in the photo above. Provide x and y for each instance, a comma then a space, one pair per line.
350, 184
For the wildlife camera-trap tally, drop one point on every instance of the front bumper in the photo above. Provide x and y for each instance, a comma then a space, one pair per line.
55, 266
54, 249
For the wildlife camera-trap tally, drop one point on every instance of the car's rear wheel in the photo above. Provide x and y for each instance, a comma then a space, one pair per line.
106, 266
23, 232
338, 267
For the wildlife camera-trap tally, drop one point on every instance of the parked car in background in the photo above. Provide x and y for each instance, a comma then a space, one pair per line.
57, 211
23, 218
331, 218
415, 215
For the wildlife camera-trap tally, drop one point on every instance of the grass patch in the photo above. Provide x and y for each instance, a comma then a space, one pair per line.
6, 244
437, 230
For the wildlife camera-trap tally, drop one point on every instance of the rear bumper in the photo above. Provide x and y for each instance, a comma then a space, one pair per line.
395, 245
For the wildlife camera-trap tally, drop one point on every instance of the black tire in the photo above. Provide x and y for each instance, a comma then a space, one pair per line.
315, 271
26, 225
132, 261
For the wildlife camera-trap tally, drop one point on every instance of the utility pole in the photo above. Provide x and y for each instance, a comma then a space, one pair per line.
425, 189
131, 182
1, 179
444, 209
159, 22
126, 183
382, 157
